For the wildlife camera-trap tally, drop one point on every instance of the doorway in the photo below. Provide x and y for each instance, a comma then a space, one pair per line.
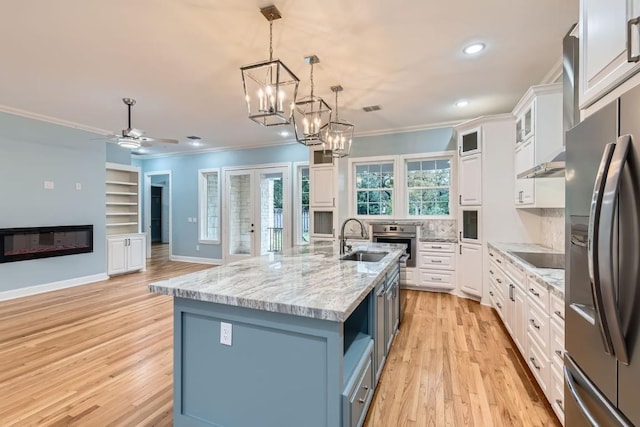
157, 213
257, 206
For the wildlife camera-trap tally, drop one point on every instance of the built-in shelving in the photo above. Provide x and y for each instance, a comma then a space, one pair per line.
122, 199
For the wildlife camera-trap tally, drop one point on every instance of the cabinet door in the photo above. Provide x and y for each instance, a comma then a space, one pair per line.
322, 186
116, 256
135, 253
322, 223
470, 142
470, 268
519, 315
603, 46
525, 159
388, 329
380, 341
471, 180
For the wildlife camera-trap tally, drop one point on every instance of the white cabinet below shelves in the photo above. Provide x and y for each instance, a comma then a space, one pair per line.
125, 253
470, 180
322, 190
604, 63
470, 268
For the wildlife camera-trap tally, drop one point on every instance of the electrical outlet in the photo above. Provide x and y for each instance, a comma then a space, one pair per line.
48, 185
225, 333
78, 186
197, 247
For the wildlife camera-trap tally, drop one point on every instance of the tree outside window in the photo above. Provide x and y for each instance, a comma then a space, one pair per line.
428, 187
374, 189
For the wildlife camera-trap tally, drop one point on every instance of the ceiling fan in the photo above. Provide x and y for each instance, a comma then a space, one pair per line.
132, 137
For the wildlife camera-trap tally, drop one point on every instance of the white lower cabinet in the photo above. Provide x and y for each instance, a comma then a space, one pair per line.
125, 253
470, 270
436, 265
534, 317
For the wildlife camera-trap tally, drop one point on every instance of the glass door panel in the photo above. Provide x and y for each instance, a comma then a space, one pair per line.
271, 211
240, 218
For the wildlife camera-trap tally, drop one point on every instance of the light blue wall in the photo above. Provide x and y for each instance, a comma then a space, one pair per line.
117, 154
425, 141
184, 191
32, 152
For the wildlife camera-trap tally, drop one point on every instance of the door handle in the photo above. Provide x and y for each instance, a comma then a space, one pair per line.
608, 281
593, 234
630, 24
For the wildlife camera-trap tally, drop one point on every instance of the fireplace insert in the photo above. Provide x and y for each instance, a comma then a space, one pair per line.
20, 244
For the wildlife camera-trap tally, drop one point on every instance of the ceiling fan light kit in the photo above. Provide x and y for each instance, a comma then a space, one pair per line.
270, 87
311, 113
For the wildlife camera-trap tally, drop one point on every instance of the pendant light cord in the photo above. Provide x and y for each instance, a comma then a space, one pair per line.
311, 79
270, 38
337, 106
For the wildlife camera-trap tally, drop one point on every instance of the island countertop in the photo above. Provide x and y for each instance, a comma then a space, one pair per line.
309, 281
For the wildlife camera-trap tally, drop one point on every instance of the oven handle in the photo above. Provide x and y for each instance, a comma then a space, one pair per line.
406, 236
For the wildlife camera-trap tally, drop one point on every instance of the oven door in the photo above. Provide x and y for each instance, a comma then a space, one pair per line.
410, 242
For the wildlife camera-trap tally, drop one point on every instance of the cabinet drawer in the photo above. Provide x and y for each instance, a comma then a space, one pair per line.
361, 396
538, 294
539, 364
408, 276
496, 257
556, 392
497, 300
436, 247
538, 326
556, 343
556, 308
515, 273
437, 278
440, 261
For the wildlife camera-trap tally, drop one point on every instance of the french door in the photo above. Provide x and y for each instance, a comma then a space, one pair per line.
257, 215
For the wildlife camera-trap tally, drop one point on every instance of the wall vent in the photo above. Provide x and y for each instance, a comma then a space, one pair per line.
371, 108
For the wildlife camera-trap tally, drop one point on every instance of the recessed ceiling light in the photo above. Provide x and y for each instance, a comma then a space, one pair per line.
462, 103
284, 133
195, 140
474, 48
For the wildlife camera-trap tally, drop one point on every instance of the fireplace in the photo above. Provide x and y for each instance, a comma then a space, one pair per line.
20, 244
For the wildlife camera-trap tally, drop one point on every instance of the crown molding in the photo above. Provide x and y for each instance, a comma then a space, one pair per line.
554, 73
52, 120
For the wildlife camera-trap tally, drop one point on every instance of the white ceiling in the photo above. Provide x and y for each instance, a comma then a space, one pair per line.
73, 60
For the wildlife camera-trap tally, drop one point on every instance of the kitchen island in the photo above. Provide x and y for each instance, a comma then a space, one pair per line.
308, 335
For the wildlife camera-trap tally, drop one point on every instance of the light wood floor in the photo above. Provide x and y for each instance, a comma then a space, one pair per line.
101, 354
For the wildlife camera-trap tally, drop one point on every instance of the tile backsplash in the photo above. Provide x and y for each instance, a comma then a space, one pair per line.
552, 228
439, 228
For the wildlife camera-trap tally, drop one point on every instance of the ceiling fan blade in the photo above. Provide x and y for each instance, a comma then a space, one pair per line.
106, 137
166, 140
135, 133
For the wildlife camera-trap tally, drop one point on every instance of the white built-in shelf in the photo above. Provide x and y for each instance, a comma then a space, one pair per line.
121, 183
120, 193
122, 199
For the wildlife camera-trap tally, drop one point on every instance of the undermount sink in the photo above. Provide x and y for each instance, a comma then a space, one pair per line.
542, 259
364, 256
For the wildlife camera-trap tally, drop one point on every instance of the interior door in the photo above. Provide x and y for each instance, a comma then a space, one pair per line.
257, 212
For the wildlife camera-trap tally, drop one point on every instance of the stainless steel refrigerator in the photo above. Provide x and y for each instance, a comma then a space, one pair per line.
602, 337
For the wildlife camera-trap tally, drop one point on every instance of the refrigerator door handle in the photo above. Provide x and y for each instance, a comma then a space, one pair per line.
593, 243
608, 283
574, 378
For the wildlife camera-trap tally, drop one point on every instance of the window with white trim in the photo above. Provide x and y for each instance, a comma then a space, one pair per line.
209, 201
374, 188
428, 187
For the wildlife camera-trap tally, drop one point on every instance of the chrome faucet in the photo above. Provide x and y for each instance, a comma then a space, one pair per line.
343, 240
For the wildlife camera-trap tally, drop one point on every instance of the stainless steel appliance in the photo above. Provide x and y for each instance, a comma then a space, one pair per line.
400, 234
602, 364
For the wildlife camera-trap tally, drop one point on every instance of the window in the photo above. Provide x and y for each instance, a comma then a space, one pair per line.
302, 204
209, 201
428, 187
374, 184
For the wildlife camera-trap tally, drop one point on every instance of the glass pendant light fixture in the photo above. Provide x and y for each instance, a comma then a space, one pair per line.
337, 135
311, 113
270, 88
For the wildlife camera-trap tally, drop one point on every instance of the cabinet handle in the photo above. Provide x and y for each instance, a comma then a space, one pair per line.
491, 254
533, 362
557, 313
436, 279
436, 261
559, 402
491, 293
559, 353
461, 235
499, 305
534, 324
491, 272
533, 291
498, 261
361, 400
630, 24
334, 202
511, 292
498, 280
460, 199
460, 249
436, 247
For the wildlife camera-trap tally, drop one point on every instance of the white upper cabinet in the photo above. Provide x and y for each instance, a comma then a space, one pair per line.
470, 142
605, 61
322, 186
470, 176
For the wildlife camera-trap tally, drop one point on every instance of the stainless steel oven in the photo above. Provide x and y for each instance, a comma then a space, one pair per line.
400, 234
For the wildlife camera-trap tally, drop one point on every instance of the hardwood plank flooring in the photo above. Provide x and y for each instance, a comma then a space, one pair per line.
101, 355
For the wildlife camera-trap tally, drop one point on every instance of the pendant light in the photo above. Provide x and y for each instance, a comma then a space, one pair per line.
270, 88
337, 135
310, 113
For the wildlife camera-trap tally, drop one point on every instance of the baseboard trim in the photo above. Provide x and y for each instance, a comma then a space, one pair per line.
53, 286
196, 260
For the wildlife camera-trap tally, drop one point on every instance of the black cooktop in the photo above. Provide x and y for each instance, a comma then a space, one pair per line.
542, 259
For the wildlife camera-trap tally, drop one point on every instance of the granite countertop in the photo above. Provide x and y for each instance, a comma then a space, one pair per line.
442, 239
309, 281
552, 278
